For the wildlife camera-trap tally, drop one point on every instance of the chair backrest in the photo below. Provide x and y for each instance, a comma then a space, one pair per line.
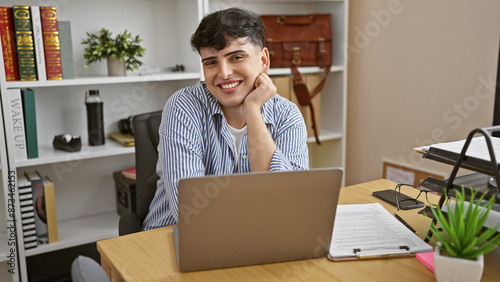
146, 155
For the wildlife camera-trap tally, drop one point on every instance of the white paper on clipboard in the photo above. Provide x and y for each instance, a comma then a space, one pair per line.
370, 231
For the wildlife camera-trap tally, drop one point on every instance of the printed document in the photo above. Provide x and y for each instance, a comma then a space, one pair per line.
477, 148
371, 230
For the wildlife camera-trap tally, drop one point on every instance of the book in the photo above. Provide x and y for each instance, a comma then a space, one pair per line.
29, 111
30, 245
24, 43
362, 231
17, 119
8, 44
36, 22
67, 65
50, 209
39, 205
51, 44
126, 140
129, 173
27, 210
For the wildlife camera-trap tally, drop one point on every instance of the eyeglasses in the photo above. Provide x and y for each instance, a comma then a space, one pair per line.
406, 202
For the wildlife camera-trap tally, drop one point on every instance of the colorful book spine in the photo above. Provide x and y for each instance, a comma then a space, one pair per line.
8, 44
67, 65
38, 41
24, 43
52, 45
27, 212
17, 119
39, 206
29, 111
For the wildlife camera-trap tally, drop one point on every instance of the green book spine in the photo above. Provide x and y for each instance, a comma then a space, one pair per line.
24, 43
28, 97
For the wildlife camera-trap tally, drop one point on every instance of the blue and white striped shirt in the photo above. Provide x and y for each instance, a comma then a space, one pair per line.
195, 141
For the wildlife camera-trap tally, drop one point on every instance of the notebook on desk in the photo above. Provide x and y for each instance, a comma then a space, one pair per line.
246, 219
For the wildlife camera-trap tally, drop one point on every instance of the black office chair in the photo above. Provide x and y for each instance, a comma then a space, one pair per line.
146, 155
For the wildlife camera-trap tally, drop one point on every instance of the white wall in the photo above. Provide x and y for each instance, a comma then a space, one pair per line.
420, 72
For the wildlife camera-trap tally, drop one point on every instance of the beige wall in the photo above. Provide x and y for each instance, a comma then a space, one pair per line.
419, 72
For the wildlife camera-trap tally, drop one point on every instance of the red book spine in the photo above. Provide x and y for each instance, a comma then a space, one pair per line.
51, 44
8, 44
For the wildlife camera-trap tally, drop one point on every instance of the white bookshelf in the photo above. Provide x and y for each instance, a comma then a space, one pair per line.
305, 70
102, 80
48, 155
98, 227
86, 204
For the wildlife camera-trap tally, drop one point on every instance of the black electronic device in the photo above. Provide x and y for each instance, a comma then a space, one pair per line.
405, 202
126, 125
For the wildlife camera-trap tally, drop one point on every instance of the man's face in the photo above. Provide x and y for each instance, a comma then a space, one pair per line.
230, 73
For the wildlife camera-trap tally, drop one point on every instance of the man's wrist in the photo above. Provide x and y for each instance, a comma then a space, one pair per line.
251, 110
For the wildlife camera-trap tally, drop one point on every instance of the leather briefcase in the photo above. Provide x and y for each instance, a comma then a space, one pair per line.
300, 41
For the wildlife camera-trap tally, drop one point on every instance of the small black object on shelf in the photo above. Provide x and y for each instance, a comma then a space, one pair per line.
68, 143
178, 68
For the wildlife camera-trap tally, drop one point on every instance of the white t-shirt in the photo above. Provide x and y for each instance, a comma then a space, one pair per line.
237, 135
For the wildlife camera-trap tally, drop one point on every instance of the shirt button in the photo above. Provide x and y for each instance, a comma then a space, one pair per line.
244, 157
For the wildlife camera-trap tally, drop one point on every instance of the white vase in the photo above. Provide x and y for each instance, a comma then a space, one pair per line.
116, 67
451, 269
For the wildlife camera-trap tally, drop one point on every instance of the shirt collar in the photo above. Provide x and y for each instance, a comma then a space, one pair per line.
213, 104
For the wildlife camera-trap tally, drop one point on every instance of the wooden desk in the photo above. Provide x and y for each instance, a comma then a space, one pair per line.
150, 256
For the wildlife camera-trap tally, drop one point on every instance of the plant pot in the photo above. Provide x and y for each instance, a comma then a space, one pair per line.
116, 67
456, 269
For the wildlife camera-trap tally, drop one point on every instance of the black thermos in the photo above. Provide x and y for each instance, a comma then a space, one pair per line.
95, 124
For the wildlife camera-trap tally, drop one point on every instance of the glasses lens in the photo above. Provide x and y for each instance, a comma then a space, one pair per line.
404, 201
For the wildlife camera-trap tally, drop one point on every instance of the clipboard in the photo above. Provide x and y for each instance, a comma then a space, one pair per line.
377, 253
361, 231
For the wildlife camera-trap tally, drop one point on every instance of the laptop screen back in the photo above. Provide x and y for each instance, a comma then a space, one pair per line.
245, 219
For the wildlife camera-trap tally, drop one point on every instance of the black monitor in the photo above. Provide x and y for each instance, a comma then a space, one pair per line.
496, 109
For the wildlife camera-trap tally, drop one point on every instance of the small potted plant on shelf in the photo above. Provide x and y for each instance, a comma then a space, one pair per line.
121, 52
461, 239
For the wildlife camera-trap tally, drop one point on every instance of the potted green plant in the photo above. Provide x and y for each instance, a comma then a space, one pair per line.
122, 51
461, 239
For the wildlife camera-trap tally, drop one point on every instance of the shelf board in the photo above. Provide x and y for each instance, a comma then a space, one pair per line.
325, 135
47, 154
81, 231
170, 76
288, 1
94, 80
303, 70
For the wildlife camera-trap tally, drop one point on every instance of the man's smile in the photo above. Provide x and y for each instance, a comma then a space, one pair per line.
229, 85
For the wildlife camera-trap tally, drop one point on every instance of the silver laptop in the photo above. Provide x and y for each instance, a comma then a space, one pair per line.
257, 218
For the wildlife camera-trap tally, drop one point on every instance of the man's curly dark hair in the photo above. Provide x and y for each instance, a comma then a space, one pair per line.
217, 28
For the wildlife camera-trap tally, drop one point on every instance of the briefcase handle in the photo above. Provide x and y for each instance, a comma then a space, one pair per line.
295, 20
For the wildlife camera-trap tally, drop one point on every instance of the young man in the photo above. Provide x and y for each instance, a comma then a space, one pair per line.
233, 122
